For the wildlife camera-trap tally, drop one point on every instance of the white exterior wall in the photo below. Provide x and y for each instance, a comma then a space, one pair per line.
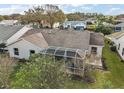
18, 34
56, 25
99, 50
65, 25
84, 25
24, 49
121, 41
9, 22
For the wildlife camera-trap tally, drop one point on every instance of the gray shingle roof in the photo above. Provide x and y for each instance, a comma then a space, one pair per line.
7, 31
96, 39
36, 39
62, 38
69, 39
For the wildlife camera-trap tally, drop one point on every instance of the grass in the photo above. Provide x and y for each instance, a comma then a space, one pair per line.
115, 66
113, 78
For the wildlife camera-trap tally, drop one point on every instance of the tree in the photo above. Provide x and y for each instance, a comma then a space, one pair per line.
29, 16
100, 19
82, 16
6, 68
23, 19
34, 15
60, 16
6, 17
54, 14
73, 17
39, 14
15, 16
105, 30
1, 18
110, 19
40, 72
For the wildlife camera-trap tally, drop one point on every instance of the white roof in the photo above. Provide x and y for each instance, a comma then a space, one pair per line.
120, 24
115, 35
8, 22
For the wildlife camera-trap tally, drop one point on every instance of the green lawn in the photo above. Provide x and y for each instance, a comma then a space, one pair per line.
115, 66
113, 78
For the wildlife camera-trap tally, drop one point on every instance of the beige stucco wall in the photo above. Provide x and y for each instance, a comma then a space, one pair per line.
99, 50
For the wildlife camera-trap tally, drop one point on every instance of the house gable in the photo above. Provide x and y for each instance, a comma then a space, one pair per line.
24, 48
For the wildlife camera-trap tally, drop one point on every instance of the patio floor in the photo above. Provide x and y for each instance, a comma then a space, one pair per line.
94, 60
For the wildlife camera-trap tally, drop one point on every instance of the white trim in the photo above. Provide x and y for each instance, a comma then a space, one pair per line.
18, 34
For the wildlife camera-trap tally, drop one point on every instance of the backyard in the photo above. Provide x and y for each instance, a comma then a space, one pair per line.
113, 77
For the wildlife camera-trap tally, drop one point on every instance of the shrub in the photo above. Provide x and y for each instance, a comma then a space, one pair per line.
40, 72
6, 68
122, 61
22, 60
113, 48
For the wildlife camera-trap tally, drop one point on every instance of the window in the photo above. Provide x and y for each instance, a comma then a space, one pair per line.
119, 46
118, 28
122, 51
32, 52
94, 50
68, 26
16, 51
79, 28
89, 23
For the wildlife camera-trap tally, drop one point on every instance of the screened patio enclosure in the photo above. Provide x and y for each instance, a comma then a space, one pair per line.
73, 58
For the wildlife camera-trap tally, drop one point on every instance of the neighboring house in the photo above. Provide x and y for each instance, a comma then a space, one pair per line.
9, 22
77, 25
91, 21
119, 27
91, 24
118, 39
56, 25
68, 42
119, 20
9, 34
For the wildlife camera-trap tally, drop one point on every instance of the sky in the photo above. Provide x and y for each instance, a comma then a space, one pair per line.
106, 9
